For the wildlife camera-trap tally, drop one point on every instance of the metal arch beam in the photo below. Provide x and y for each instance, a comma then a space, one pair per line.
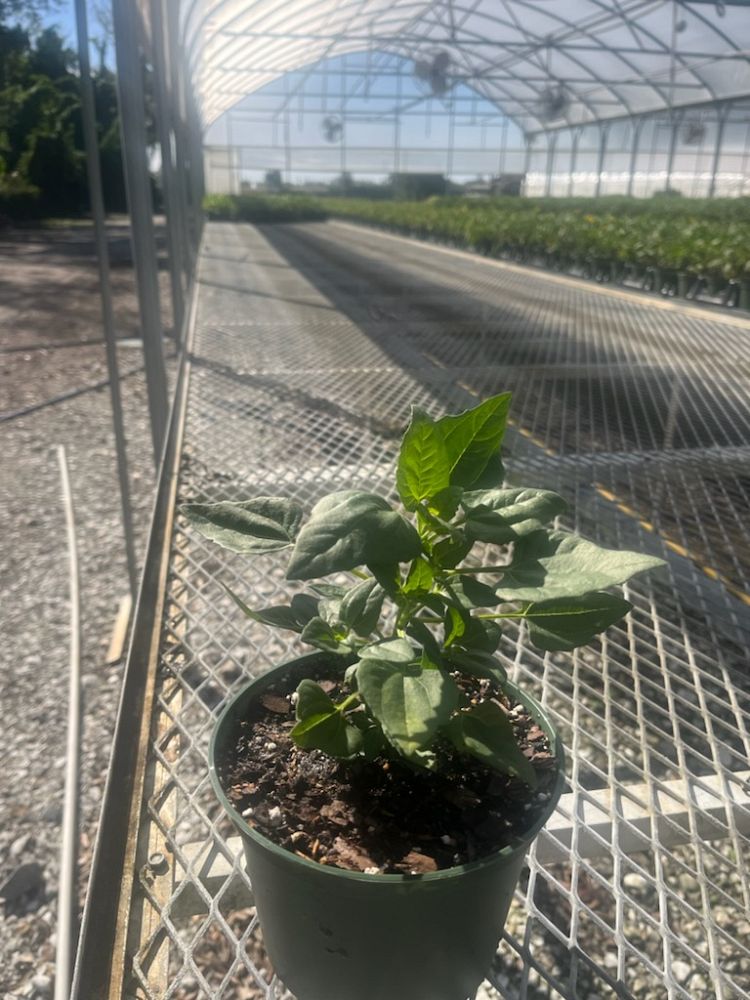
740, 54
489, 96
324, 55
527, 106
602, 16
611, 87
652, 113
665, 50
537, 42
575, 59
395, 49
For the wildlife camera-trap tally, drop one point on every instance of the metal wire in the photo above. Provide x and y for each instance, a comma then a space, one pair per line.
311, 343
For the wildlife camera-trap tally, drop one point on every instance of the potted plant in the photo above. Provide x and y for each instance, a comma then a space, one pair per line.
388, 786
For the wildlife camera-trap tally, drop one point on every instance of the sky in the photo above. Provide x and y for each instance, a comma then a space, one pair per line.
64, 20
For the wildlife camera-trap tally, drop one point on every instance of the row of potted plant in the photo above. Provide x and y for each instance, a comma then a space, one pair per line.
610, 246
262, 208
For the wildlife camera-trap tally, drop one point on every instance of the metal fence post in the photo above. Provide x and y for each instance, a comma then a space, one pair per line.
573, 159
723, 115
603, 130
163, 116
130, 97
551, 146
675, 120
179, 134
634, 155
105, 290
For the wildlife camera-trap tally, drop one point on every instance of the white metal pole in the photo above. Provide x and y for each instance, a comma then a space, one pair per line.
96, 199
138, 182
66, 905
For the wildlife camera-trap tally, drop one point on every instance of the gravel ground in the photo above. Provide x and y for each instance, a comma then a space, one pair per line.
49, 296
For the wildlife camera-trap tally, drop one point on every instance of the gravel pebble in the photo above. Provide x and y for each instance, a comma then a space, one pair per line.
50, 297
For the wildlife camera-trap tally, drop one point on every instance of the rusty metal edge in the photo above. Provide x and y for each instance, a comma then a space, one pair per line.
100, 960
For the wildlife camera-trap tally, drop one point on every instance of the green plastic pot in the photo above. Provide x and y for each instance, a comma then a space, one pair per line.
341, 935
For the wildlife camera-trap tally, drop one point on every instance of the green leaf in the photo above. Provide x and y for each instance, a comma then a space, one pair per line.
312, 700
347, 529
304, 607
481, 634
477, 663
265, 524
374, 742
472, 593
455, 625
319, 633
361, 606
281, 616
473, 438
420, 577
493, 475
330, 611
410, 703
566, 623
332, 591
418, 631
445, 503
387, 575
554, 564
503, 515
485, 732
393, 650
423, 469
451, 551
321, 726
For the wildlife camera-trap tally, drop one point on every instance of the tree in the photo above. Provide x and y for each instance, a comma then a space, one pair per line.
42, 160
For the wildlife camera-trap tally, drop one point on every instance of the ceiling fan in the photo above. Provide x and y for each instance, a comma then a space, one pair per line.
553, 103
332, 128
435, 72
694, 133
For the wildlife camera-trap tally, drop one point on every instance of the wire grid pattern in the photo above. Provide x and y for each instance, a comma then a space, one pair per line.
311, 343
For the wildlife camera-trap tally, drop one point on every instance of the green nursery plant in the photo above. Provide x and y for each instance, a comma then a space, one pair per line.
418, 611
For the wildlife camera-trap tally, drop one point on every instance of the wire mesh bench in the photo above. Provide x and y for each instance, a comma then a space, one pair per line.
299, 381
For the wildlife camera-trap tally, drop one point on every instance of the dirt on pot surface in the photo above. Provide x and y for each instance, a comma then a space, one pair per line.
380, 816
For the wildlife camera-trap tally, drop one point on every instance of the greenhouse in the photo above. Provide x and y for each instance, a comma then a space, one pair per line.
378, 220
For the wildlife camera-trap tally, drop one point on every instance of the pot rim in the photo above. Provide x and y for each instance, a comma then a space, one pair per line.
520, 843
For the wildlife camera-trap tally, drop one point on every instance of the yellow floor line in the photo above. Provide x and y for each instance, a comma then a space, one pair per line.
709, 571
613, 498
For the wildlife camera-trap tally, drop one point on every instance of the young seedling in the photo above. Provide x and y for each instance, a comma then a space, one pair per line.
420, 612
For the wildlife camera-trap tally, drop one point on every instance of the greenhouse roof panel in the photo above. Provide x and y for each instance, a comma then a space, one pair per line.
544, 64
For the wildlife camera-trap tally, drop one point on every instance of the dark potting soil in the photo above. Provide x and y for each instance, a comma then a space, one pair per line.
380, 816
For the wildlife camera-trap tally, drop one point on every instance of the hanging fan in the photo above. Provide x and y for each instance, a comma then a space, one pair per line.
434, 72
694, 133
553, 103
332, 128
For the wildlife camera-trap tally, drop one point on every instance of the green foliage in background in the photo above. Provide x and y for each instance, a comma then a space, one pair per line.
42, 159
700, 237
708, 238
263, 208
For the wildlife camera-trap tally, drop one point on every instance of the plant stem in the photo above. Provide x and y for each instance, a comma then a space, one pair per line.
470, 570
348, 701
